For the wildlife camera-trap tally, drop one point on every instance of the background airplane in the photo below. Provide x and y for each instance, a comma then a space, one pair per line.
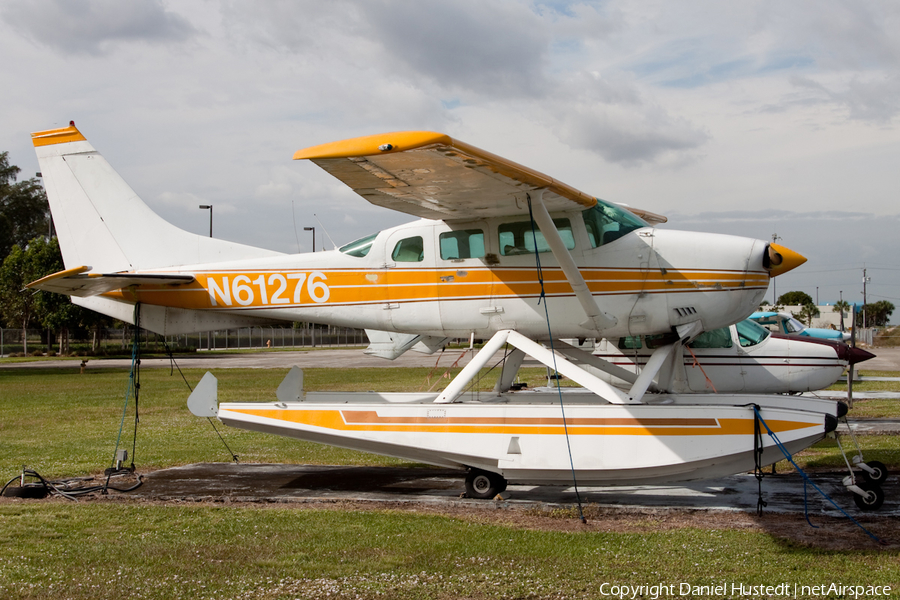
787, 324
744, 357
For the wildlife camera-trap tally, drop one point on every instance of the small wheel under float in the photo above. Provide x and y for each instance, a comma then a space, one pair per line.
875, 473
484, 484
872, 499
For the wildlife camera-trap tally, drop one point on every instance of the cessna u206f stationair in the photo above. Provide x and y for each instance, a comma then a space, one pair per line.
466, 268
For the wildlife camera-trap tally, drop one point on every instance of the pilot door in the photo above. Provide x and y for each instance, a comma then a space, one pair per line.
410, 281
464, 277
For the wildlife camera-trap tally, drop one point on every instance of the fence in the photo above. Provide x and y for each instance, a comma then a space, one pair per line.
117, 340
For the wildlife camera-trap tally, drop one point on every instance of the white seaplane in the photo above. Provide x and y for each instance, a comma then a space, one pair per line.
467, 268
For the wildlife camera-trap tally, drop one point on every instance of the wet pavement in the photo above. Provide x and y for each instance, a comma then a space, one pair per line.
219, 482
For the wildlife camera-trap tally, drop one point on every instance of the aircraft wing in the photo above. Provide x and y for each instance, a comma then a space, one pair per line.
78, 282
433, 176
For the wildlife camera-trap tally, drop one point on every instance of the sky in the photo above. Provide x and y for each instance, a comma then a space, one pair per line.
756, 118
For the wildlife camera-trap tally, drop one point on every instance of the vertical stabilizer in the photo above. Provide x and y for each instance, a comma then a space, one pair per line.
102, 223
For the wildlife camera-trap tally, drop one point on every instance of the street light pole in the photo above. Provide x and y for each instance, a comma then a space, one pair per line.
204, 207
775, 238
313, 229
865, 281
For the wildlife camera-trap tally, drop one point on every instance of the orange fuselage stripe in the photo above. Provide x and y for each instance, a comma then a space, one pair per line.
281, 289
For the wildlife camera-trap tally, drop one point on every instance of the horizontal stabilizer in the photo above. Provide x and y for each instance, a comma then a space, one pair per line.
79, 282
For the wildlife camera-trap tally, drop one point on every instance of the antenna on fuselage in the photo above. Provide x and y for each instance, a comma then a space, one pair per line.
326, 232
294, 221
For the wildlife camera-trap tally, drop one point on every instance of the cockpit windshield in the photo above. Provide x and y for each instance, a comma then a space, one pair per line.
751, 333
606, 222
792, 325
360, 247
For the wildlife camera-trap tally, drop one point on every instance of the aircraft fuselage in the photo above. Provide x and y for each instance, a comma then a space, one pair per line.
429, 278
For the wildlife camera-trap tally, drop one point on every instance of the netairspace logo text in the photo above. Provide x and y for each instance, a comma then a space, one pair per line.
735, 590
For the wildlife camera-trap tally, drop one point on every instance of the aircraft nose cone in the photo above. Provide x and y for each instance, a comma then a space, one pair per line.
858, 355
780, 259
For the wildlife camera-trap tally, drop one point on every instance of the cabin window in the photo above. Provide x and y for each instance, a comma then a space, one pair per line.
360, 247
717, 338
632, 342
519, 238
409, 249
468, 243
750, 333
607, 222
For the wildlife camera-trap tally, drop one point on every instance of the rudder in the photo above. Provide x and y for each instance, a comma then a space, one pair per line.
102, 223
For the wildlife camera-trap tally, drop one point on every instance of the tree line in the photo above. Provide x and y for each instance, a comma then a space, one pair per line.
872, 314
29, 251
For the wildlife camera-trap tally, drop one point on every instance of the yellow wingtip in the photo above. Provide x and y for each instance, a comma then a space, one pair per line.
381, 143
57, 136
59, 275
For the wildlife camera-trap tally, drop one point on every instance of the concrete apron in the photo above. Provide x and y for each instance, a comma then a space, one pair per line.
230, 482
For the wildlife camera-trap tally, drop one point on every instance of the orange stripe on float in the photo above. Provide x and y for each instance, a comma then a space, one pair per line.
360, 421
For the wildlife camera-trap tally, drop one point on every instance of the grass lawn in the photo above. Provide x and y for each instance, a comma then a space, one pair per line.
62, 423
57, 550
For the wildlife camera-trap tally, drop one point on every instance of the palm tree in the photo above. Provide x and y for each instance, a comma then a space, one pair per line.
843, 307
808, 313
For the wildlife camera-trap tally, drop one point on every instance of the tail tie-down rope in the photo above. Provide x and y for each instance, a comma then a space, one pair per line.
234, 456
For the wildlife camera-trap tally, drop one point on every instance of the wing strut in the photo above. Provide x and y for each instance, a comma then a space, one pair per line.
596, 319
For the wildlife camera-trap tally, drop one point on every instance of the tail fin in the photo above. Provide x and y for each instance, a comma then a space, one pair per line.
102, 223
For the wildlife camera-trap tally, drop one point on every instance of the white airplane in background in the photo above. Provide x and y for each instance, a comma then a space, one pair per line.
467, 268
742, 358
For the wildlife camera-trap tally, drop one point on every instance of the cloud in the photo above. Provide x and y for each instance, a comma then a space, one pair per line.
767, 216
459, 47
872, 99
452, 47
611, 117
95, 27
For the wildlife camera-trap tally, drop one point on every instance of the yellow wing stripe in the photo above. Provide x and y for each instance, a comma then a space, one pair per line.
57, 136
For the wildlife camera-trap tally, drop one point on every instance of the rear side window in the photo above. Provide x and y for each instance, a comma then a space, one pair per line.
409, 250
630, 343
468, 243
518, 238
717, 338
